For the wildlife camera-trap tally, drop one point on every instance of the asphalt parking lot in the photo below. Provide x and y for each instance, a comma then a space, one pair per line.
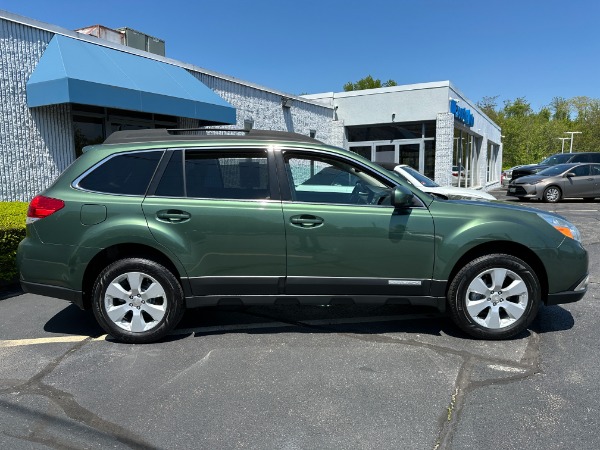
304, 378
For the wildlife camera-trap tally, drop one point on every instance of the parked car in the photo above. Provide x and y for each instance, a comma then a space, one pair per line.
557, 182
425, 184
559, 158
154, 221
506, 175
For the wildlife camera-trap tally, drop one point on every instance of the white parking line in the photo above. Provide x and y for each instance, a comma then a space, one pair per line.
37, 341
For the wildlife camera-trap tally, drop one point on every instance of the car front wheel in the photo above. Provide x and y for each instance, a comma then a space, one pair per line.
552, 194
494, 297
137, 300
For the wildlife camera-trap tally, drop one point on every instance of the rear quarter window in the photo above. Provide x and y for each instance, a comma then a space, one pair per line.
126, 174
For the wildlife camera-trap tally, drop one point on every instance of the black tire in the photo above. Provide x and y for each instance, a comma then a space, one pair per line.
154, 307
552, 194
481, 269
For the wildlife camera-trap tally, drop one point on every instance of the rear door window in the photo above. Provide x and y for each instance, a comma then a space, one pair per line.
212, 174
125, 174
229, 175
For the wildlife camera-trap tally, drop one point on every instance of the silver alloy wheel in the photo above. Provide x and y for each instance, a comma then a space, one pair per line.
552, 194
135, 302
497, 298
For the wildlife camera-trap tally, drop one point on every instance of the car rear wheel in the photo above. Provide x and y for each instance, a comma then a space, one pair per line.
552, 194
494, 297
137, 300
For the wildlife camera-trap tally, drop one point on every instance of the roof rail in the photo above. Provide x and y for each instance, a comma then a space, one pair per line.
195, 134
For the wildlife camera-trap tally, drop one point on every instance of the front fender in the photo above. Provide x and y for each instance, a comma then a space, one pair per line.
460, 229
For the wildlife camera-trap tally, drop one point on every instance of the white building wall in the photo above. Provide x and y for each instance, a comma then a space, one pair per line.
35, 145
266, 110
410, 103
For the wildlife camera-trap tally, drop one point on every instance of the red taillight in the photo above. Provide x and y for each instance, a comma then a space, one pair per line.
41, 207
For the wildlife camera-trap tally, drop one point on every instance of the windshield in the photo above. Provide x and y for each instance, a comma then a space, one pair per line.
554, 170
557, 159
427, 182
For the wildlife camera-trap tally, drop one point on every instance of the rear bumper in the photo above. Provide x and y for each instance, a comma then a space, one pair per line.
75, 297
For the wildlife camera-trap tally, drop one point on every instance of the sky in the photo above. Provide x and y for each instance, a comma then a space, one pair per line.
537, 49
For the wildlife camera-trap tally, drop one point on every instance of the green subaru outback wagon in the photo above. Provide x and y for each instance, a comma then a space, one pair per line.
152, 222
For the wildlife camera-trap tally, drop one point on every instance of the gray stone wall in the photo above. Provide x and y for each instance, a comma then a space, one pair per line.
338, 134
35, 145
444, 138
266, 110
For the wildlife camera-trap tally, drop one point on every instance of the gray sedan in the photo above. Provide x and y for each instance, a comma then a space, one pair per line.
557, 182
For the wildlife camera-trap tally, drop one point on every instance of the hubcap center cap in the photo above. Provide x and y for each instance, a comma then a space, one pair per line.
137, 301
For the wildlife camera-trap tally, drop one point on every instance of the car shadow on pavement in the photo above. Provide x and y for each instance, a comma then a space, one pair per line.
308, 319
72, 320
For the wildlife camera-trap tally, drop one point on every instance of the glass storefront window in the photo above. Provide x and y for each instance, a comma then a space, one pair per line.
93, 124
391, 132
362, 150
463, 159
88, 131
385, 153
409, 155
429, 169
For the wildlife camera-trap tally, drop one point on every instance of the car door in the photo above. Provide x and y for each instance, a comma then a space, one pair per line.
595, 173
579, 182
214, 209
343, 239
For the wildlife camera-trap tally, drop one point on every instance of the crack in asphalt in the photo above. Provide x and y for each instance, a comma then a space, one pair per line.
528, 366
67, 403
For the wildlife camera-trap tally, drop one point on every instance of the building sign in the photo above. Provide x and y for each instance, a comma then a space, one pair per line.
462, 114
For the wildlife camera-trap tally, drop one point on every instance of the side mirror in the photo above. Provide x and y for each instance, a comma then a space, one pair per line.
401, 197
570, 175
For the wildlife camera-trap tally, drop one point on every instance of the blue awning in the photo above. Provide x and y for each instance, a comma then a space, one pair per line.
74, 71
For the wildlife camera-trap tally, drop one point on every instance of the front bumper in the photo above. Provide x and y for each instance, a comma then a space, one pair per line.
570, 296
522, 190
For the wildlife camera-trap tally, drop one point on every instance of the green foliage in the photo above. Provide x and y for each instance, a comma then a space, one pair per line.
530, 137
368, 82
12, 231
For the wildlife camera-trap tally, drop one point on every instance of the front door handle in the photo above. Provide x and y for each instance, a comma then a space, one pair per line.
173, 216
307, 221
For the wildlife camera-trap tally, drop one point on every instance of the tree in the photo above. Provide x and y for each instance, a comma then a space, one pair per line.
368, 82
561, 108
489, 107
518, 108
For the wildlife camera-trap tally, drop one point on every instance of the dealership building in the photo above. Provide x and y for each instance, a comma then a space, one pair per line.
62, 90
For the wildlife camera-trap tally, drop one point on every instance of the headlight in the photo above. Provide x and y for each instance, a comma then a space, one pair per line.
536, 181
565, 227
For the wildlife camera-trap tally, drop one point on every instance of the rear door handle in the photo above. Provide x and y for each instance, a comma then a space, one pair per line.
306, 221
173, 216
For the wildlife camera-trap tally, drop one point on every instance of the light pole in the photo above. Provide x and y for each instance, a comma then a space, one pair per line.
562, 149
572, 133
